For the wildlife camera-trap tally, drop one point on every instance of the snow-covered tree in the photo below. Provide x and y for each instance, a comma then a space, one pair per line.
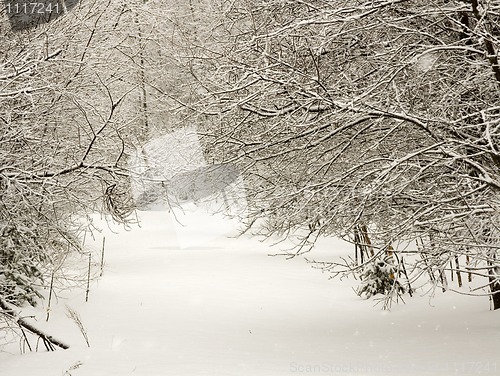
380, 115
65, 121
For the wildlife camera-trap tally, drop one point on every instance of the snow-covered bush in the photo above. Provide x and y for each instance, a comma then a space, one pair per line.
19, 264
380, 277
64, 140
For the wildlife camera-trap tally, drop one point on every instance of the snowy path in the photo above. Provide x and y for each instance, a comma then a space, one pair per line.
228, 309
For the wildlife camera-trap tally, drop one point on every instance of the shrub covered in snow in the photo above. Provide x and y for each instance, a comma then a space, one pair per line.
19, 264
380, 277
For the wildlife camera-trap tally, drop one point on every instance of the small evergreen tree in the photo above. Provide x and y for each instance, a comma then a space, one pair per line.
379, 277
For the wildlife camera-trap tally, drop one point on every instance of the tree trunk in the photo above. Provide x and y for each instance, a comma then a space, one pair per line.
495, 291
459, 276
367, 242
494, 285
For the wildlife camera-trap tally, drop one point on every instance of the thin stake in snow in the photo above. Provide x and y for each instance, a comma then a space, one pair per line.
102, 255
50, 296
88, 279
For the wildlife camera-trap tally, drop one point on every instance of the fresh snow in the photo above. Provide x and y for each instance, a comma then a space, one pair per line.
225, 307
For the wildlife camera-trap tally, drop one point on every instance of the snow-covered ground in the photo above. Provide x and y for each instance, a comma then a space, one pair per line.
224, 307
